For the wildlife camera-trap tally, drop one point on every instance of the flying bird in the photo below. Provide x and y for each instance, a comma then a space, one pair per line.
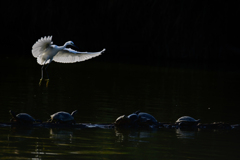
46, 52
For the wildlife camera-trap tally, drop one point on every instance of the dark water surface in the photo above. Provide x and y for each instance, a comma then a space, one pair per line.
103, 91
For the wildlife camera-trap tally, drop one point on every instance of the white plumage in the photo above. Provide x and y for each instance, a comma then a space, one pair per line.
46, 52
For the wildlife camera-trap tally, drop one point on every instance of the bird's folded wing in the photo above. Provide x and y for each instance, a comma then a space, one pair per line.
40, 46
69, 55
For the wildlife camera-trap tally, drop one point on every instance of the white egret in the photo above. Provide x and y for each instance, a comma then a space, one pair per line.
46, 52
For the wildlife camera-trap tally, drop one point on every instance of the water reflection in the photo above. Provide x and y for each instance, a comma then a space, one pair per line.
188, 134
21, 131
61, 136
111, 90
130, 135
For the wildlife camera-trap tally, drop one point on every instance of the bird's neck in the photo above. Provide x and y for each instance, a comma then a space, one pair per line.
62, 47
65, 45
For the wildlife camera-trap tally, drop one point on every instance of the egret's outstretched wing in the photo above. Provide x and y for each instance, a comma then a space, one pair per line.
39, 47
69, 55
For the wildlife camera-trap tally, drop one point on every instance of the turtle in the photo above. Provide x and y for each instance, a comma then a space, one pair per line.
127, 120
22, 118
122, 120
63, 117
137, 118
187, 121
146, 119
133, 117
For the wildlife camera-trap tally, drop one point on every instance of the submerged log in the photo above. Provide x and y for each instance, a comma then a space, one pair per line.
56, 125
215, 125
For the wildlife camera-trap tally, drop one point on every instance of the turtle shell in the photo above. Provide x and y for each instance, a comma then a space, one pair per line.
187, 119
122, 120
25, 117
62, 116
133, 117
145, 117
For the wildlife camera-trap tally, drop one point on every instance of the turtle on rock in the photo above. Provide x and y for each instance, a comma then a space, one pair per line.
136, 119
22, 118
187, 121
63, 117
127, 121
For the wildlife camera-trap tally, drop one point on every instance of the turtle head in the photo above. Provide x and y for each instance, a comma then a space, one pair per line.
137, 112
13, 114
74, 112
198, 120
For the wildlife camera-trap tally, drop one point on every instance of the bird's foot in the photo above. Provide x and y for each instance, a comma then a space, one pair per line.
47, 82
40, 82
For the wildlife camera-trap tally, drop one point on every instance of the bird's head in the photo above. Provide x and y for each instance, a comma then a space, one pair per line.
70, 43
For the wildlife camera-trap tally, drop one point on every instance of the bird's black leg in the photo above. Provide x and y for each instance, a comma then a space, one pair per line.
42, 72
46, 70
40, 82
47, 74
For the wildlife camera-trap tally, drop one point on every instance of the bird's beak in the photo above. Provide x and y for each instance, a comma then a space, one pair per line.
75, 46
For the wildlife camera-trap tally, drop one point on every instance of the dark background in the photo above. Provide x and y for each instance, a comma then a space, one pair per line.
134, 31
164, 35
